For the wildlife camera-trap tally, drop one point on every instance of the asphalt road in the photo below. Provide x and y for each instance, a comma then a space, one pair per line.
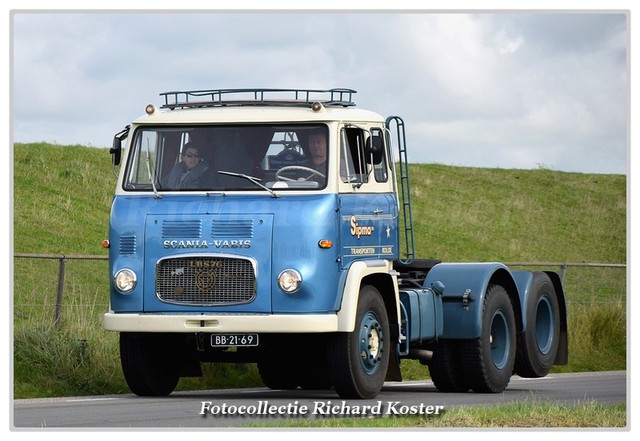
239, 407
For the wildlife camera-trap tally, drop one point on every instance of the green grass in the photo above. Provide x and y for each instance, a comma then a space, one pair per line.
506, 416
473, 214
62, 196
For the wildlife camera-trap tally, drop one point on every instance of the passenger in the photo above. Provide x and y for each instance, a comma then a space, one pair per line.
190, 172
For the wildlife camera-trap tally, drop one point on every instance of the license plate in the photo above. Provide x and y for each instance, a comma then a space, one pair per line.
234, 340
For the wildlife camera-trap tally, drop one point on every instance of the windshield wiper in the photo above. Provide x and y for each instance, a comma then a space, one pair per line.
253, 179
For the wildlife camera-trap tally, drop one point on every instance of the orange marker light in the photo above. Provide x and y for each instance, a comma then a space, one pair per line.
106, 244
325, 243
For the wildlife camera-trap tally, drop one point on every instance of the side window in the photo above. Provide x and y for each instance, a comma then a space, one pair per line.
361, 153
143, 161
353, 167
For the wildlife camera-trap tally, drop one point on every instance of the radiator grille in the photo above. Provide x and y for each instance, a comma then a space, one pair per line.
205, 280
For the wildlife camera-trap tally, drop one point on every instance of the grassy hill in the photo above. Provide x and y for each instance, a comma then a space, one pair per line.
62, 196
459, 213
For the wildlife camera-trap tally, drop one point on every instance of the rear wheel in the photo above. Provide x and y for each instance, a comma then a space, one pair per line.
358, 360
488, 361
538, 346
445, 367
149, 363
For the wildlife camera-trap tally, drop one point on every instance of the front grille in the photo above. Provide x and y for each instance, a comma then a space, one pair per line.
205, 280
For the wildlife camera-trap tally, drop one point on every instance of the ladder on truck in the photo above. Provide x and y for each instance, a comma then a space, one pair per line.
405, 193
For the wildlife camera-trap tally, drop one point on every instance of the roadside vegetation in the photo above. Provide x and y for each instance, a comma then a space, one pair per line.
61, 202
505, 416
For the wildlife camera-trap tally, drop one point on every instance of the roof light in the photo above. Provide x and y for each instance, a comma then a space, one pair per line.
150, 109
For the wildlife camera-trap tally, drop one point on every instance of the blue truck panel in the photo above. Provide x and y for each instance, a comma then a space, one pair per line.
460, 321
368, 227
523, 281
423, 314
259, 228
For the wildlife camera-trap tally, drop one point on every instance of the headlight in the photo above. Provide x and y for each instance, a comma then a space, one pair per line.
125, 280
289, 281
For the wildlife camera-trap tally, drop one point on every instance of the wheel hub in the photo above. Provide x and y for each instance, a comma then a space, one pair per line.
499, 340
371, 343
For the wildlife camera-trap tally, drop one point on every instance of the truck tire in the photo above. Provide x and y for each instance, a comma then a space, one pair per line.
538, 345
445, 367
488, 360
358, 360
148, 364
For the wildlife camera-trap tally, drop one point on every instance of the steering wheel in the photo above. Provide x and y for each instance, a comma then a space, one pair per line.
297, 168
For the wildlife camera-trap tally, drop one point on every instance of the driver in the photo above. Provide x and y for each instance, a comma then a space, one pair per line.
314, 167
318, 151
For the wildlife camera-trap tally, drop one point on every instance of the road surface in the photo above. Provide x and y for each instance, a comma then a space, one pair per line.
240, 407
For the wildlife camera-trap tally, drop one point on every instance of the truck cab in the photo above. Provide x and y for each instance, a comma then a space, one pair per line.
262, 240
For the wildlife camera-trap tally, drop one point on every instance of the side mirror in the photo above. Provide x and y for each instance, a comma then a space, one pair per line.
116, 150
375, 148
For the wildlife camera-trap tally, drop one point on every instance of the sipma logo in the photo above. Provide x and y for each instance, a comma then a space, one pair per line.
359, 230
167, 244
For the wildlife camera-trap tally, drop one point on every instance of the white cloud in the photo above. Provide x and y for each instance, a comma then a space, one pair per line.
494, 90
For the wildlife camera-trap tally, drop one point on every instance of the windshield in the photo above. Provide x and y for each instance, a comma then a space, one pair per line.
232, 157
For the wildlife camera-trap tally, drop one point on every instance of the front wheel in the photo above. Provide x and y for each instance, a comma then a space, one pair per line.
149, 363
488, 360
358, 360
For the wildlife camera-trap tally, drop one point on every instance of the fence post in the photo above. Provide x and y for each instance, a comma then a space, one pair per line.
61, 272
563, 270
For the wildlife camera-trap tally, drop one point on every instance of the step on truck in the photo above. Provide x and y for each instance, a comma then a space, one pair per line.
274, 226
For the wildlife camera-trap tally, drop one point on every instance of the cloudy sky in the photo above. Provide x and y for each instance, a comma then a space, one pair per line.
496, 89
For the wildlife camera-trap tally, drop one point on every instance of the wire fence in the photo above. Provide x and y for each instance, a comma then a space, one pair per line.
46, 285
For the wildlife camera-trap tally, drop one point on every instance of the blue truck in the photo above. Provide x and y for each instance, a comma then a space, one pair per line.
274, 226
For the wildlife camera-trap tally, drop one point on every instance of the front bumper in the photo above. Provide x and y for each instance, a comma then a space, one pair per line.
219, 323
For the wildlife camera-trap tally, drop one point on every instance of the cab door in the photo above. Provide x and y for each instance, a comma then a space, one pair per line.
367, 202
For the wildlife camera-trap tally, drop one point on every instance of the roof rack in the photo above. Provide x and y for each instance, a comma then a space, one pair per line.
257, 97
